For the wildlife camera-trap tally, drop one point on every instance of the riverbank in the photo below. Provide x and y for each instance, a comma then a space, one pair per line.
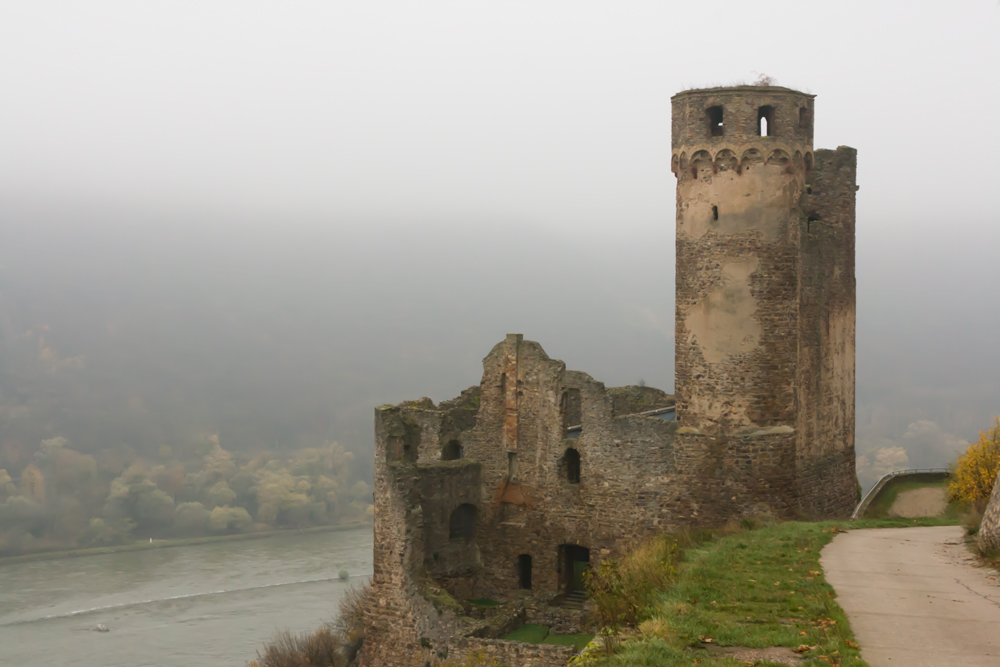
178, 542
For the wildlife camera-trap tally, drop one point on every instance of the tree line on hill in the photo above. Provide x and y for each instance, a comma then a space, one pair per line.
59, 498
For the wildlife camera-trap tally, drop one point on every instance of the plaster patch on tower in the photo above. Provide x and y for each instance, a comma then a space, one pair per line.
723, 323
760, 199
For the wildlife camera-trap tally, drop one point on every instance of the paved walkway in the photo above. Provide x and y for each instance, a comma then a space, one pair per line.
914, 598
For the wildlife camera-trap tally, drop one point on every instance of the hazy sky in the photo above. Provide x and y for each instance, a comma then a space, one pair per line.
512, 152
551, 113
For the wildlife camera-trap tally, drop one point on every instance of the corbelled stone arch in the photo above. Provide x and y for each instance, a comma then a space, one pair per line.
726, 159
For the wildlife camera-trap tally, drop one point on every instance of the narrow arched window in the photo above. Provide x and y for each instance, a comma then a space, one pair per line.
765, 121
571, 466
463, 522
452, 451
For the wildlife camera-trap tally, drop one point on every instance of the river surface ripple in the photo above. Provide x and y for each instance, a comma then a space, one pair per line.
202, 605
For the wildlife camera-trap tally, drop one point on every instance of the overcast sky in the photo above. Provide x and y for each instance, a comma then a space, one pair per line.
503, 132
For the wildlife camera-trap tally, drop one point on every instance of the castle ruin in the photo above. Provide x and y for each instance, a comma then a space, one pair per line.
510, 491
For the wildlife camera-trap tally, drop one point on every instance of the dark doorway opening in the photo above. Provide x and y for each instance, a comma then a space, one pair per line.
524, 571
452, 451
462, 525
573, 562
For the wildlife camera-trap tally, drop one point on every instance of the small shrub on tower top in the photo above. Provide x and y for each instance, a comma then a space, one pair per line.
976, 470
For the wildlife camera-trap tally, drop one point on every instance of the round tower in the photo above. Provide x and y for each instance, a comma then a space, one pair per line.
741, 156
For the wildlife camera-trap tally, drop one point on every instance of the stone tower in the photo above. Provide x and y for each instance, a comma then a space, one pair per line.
765, 305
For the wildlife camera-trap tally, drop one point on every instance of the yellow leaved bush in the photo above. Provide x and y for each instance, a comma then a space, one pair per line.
976, 470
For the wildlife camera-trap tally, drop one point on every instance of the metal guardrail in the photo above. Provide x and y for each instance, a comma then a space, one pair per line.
872, 492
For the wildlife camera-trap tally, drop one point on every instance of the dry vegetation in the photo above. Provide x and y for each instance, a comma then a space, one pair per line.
336, 644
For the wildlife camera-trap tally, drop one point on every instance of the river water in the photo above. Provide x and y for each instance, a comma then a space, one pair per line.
205, 605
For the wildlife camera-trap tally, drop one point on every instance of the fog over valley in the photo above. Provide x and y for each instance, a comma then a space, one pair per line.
228, 232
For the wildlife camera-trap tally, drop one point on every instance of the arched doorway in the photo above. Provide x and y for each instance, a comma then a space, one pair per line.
573, 562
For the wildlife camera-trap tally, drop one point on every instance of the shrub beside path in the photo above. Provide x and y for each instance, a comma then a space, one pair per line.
914, 597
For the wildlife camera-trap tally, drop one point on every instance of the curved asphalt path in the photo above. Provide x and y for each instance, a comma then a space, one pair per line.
914, 597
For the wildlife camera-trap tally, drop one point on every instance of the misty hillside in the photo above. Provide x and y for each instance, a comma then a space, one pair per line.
127, 329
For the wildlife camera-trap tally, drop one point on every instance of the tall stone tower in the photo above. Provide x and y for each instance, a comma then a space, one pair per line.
765, 305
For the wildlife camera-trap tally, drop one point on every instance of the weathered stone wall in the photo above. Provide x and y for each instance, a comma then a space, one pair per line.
515, 472
514, 654
764, 343
988, 536
825, 382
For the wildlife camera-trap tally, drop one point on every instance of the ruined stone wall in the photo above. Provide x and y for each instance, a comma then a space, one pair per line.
538, 508
514, 654
512, 431
825, 457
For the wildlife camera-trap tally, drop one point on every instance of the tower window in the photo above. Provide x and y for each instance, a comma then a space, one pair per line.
511, 465
571, 466
765, 121
462, 525
804, 119
715, 213
572, 409
452, 451
715, 125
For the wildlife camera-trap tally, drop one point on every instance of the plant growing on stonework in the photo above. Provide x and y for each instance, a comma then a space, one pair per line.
975, 472
621, 589
615, 604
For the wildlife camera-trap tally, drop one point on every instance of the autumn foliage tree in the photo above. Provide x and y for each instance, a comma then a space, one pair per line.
976, 470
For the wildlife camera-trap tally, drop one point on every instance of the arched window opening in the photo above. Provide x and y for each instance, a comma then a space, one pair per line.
524, 571
463, 522
804, 119
572, 409
716, 128
765, 121
452, 451
571, 466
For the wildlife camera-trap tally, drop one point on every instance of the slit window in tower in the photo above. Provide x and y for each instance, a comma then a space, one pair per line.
715, 124
804, 119
765, 124
511, 466
715, 213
